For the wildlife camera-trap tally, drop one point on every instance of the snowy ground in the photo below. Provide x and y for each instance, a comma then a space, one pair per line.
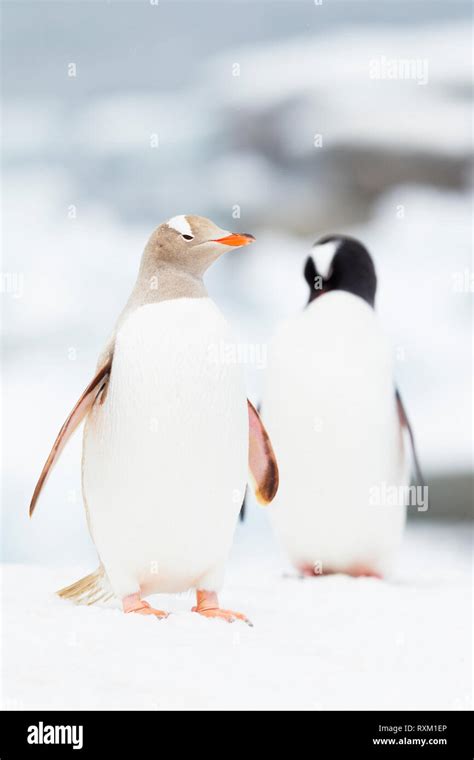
325, 643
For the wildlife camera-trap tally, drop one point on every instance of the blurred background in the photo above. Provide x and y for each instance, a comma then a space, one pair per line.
284, 119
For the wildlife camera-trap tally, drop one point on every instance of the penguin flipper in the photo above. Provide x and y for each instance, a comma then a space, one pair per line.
243, 508
262, 461
80, 410
405, 423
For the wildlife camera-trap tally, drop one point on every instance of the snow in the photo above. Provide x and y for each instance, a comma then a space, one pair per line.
323, 643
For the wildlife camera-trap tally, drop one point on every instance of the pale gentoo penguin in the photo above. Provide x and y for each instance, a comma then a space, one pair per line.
336, 421
169, 433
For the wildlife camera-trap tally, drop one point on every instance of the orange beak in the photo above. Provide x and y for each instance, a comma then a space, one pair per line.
235, 239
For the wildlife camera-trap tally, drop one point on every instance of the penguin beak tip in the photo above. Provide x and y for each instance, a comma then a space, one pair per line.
236, 239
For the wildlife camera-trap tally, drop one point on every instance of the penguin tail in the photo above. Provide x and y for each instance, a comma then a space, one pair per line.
91, 589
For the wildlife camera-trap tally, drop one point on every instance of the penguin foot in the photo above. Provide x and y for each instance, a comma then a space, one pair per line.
363, 571
227, 615
133, 603
208, 606
355, 571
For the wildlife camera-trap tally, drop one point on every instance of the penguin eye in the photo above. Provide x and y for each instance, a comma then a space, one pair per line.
187, 237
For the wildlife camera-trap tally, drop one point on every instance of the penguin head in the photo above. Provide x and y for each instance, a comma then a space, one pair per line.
340, 262
192, 243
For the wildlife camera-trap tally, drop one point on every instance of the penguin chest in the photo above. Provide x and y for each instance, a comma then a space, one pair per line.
329, 408
165, 456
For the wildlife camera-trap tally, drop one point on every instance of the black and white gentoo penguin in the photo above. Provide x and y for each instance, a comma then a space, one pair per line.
169, 434
337, 422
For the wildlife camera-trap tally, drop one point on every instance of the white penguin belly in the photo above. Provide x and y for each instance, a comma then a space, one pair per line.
165, 456
329, 407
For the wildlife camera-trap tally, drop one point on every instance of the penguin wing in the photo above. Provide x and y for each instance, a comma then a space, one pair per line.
262, 461
405, 424
80, 410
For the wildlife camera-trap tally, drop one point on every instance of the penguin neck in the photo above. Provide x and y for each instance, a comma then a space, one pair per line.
164, 282
161, 282
363, 286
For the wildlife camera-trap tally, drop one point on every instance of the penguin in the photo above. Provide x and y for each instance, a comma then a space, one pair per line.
169, 434
337, 422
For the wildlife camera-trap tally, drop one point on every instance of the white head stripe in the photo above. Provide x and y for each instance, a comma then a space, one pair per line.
323, 256
180, 224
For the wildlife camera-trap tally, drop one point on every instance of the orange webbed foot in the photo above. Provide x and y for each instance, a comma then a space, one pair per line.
133, 603
216, 612
363, 571
208, 606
